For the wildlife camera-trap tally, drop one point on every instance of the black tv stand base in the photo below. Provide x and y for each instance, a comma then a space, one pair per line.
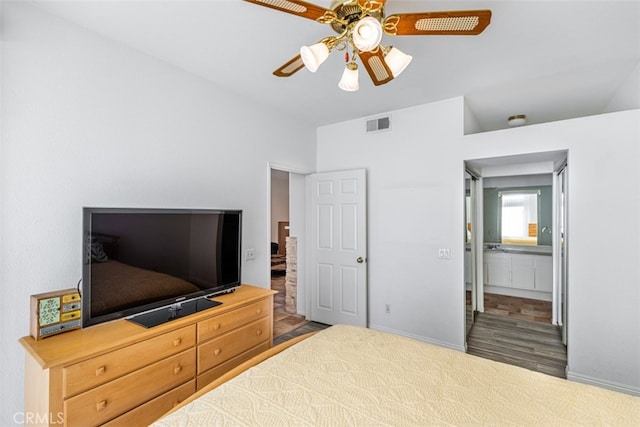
172, 312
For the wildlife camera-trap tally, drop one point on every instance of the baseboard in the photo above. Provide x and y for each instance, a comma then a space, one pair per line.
417, 337
610, 385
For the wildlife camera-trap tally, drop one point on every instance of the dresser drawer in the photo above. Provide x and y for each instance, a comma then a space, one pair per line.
221, 349
114, 398
224, 323
221, 369
151, 411
101, 369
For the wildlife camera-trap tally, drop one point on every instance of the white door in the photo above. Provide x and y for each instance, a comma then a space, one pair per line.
338, 247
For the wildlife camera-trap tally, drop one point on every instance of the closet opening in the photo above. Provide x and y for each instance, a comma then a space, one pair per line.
514, 282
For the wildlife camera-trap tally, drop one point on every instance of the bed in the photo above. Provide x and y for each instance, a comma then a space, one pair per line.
347, 375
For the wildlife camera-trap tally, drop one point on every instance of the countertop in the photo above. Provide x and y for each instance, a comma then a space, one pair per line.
518, 249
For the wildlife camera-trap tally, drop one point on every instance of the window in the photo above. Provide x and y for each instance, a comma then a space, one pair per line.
519, 217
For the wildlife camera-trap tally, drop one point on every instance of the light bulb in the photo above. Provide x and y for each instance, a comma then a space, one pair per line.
366, 34
364, 31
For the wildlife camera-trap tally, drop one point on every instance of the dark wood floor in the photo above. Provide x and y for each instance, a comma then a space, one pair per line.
519, 308
536, 346
301, 330
283, 322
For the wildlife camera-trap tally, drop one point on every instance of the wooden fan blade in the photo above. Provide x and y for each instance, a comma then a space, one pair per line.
376, 66
295, 7
461, 22
290, 68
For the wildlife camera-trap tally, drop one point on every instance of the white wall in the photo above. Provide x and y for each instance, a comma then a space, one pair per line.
627, 96
416, 206
87, 122
603, 209
413, 174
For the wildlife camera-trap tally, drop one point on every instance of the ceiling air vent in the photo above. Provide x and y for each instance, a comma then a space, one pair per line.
379, 124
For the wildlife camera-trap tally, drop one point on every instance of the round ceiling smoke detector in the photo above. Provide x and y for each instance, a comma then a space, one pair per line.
517, 120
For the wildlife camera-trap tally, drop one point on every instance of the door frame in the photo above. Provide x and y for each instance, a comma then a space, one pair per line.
560, 249
475, 219
503, 166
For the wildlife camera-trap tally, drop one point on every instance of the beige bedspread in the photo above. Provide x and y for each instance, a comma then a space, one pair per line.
354, 376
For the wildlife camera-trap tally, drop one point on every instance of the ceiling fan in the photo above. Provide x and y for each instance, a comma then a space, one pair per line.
360, 25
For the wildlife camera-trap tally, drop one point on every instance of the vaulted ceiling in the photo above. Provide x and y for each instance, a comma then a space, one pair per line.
550, 60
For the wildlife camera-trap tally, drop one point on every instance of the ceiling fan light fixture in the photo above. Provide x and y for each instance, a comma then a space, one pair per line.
397, 61
349, 80
517, 120
360, 25
313, 56
366, 34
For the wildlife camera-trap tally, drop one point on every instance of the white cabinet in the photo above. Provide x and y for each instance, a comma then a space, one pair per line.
543, 271
520, 271
497, 269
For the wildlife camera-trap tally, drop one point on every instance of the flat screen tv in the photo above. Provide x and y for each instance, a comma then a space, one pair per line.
154, 265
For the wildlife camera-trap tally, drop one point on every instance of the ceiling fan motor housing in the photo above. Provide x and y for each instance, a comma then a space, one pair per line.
350, 11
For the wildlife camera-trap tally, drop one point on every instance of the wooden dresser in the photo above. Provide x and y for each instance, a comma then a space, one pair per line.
121, 373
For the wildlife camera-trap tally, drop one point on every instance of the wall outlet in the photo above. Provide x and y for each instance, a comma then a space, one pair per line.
444, 253
250, 254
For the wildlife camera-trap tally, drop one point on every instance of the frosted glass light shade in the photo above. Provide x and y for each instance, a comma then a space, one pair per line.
367, 34
349, 80
397, 61
313, 56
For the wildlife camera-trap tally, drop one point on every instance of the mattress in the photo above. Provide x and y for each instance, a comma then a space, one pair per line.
348, 375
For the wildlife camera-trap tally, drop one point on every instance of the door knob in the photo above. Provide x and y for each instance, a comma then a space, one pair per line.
360, 260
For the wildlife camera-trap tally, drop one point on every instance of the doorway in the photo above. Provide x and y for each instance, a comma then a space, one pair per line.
517, 291
286, 226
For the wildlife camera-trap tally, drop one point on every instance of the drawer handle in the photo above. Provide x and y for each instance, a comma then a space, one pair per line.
101, 405
177, 370
258, 311
258, 332
177, 342
217, 351
100, 371
217, 326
